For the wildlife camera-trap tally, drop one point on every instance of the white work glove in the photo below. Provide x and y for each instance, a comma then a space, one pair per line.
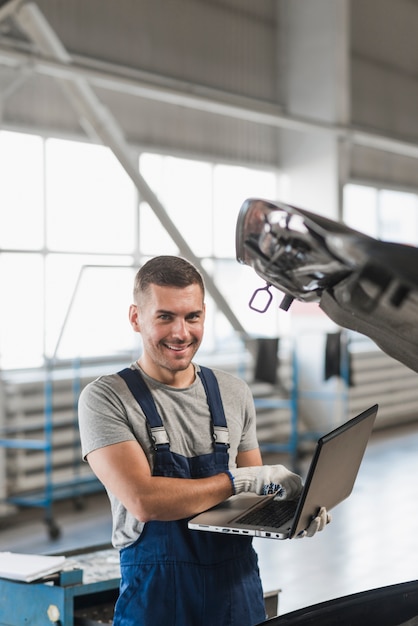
265, 480
318, 523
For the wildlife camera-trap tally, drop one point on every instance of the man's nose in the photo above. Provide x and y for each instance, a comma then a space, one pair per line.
179, 327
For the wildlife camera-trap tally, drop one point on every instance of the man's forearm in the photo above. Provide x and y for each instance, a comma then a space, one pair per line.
166, 499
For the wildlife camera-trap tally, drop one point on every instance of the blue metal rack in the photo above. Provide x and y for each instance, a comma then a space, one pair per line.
75, 488
291, 446
292, 403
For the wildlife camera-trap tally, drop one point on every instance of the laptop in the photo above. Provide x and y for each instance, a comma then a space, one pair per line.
330, 480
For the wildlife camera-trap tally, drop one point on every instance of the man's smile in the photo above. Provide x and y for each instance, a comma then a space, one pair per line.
177, 347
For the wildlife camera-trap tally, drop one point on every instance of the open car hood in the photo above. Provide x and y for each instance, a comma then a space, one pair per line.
363, 284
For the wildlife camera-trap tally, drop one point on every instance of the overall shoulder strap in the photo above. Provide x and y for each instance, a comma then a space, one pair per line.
143, 396
216, 408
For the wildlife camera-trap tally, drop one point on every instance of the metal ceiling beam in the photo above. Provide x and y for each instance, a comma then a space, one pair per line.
209, 100
98, 120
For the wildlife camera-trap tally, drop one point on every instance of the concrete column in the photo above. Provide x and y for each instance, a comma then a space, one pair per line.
313, 62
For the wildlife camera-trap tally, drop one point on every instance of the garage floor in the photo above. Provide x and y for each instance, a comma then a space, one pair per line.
371, 542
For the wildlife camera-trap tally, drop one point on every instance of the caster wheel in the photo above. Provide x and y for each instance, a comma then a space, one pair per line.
54, 531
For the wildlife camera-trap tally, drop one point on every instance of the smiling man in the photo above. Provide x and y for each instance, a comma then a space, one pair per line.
170, 320
169, 439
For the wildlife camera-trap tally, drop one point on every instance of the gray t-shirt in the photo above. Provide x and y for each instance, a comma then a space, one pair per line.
109, 414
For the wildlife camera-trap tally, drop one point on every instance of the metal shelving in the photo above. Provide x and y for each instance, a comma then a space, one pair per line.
39, 442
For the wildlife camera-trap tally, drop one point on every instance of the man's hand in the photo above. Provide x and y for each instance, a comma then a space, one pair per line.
267, 479
318, 523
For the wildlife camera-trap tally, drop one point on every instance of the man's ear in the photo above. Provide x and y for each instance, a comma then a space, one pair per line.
133, 318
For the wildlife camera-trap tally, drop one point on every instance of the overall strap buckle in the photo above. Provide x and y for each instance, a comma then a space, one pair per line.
221, 435
159, 436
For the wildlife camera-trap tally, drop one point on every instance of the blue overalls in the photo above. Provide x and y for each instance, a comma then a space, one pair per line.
174, 576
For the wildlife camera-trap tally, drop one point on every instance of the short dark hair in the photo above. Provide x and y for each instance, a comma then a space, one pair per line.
169, 271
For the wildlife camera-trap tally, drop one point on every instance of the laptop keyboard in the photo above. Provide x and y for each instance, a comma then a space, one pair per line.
275, 513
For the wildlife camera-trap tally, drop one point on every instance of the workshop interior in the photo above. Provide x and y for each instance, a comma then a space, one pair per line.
273, 144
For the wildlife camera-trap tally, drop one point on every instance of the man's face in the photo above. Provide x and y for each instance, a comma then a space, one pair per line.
170, 320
